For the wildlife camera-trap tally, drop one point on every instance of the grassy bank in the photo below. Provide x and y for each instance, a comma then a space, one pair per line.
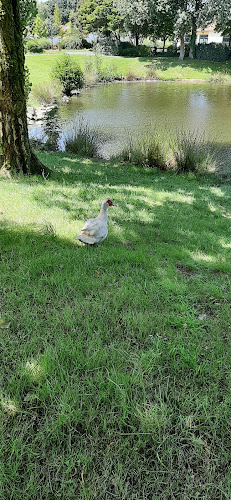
115, 360
40, 67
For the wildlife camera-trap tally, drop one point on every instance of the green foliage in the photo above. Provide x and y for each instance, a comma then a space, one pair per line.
134, 51
64, 7
38, 45
192, 153
171, 50
107, 45
46, 93
68, 73
99, 15
75, 41
83, 141
212, 52
147, 151
39, 27
28, 11
136, 16
56, 20
72, 41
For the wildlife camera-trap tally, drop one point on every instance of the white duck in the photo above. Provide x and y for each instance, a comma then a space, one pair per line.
95, 230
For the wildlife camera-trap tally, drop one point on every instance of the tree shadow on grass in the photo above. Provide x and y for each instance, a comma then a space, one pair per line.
78, 339
165, 63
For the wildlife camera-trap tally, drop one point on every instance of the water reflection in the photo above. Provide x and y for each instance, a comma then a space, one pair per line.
48, 135
117, 109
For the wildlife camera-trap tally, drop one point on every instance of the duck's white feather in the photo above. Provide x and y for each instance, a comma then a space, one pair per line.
95, 230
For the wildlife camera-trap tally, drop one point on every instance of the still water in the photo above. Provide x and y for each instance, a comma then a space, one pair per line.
122, 108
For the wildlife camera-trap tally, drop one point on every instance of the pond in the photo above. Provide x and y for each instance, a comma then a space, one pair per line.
119, 109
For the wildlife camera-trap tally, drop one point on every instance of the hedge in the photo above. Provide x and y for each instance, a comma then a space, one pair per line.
212, 51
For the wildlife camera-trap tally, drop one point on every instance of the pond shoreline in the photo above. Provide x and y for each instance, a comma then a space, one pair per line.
37, 113
116, 111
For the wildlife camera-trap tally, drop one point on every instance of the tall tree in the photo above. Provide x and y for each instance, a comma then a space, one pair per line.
161, 20
17, 152
99, 15
39, 27
136, 16
57, 20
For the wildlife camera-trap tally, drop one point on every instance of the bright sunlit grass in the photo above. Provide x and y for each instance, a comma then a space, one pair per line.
166, 68
115, 360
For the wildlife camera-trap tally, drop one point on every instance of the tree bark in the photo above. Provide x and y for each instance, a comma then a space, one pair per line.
192, 51
164, 42
17, 153
181, 56
137, 39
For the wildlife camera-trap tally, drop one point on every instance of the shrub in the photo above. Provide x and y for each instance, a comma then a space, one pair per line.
151, 74
171, 50
107, 45
133, 51
83, 141
192, 153
72, 42
86, 44
148, 151
97, 71
68, 73
38, 45
34, 46
219, 78
131, 76
108, 73
212, 51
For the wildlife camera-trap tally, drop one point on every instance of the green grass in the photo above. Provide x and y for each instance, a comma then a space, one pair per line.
40, 67
115, 360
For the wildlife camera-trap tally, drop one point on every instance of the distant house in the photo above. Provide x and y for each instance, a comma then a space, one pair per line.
209, 35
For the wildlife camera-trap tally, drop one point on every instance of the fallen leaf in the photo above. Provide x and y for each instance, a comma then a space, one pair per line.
201, 317
207, 451
4, 323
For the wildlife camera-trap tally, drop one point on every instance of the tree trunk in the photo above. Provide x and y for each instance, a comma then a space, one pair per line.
17, 153
164, 42
137, 39
192, 52
181, 56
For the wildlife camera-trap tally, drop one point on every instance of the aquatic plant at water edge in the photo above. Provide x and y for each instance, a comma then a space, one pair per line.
46, 93
148, 151
83, 141
192, 153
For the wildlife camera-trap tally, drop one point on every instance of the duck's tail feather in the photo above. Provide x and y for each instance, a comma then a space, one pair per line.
85, 239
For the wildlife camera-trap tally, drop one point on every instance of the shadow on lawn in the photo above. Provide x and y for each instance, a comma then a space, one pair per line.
165, 63
178, 215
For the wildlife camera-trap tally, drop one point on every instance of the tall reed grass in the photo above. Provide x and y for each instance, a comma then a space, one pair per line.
186, 152
192, 153
83, 141
147, 151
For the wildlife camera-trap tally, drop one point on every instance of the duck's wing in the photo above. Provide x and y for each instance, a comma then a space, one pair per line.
91, 227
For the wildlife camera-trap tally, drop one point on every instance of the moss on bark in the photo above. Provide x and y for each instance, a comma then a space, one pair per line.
17, 153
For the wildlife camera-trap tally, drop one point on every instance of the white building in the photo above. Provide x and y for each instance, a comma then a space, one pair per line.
209, 35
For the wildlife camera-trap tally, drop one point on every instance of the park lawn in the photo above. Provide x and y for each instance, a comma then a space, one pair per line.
115, 360
40, 67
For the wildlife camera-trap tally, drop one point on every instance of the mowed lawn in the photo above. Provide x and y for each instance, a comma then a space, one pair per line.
115, 360
166, 68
